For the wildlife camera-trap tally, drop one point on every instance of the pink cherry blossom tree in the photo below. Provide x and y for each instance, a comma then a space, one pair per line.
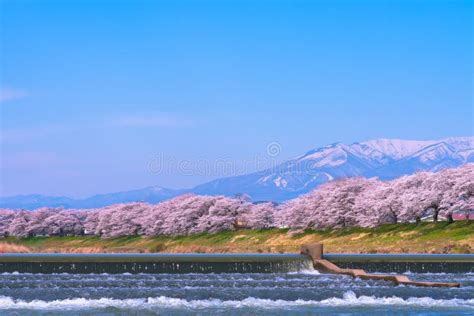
259, 216
6, 217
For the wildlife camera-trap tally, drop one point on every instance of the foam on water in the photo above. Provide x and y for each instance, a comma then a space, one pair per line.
309, 271
349, 299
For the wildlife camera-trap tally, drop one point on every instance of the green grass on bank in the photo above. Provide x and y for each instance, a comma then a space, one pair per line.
395, 238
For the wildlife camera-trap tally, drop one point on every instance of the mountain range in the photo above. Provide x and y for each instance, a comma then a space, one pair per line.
382, 158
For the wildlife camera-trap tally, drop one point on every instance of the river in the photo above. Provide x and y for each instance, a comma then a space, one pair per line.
304, 292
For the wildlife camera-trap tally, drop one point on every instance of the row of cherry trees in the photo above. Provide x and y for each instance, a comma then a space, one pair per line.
370, 202
341, 203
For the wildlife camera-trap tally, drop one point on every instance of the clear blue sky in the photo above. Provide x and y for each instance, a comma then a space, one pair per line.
92, 91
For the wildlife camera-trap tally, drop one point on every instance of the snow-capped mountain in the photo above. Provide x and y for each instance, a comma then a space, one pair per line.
382, 158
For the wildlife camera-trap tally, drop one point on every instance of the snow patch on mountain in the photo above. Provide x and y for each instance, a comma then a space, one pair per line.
397, 148
280, 182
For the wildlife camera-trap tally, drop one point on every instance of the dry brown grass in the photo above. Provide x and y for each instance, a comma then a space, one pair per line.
7, 247
400, 238
74, 250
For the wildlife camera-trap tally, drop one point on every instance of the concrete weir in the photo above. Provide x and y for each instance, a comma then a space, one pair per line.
315, 251
153, 263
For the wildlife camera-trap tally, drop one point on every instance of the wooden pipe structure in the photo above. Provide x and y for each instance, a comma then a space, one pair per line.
315, 252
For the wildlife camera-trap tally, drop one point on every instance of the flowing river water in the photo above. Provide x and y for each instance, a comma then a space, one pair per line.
284, 293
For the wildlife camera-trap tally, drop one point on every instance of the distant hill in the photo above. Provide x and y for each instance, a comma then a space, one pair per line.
153, 194
382, 158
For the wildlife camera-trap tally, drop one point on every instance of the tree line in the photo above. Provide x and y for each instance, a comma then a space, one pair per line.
337, 204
